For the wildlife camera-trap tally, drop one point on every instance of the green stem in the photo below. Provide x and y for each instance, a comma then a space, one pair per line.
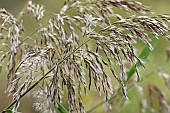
114, 96
143, 55
29, 89
36, 83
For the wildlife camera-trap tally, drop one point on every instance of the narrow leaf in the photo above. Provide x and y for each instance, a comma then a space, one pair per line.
143, 55
10, 111
61, 109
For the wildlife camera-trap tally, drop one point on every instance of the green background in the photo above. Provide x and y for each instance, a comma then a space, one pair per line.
157, 60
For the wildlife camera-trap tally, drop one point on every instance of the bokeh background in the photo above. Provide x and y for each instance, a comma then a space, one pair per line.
157, 60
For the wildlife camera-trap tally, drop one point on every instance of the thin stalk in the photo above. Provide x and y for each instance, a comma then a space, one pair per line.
19, 17
114, 96
61, 109
36, 83
143, 55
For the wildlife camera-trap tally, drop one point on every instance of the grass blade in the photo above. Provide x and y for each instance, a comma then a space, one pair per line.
36, 83
10, 111
143, 55
61, 109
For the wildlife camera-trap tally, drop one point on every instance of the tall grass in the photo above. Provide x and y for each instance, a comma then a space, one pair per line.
59, 55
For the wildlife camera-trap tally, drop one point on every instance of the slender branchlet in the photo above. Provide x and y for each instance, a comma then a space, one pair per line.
77, 48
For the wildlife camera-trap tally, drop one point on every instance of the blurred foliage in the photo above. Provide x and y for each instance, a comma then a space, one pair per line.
156, 62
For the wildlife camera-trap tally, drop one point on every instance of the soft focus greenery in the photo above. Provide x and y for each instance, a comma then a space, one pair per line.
156, 61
